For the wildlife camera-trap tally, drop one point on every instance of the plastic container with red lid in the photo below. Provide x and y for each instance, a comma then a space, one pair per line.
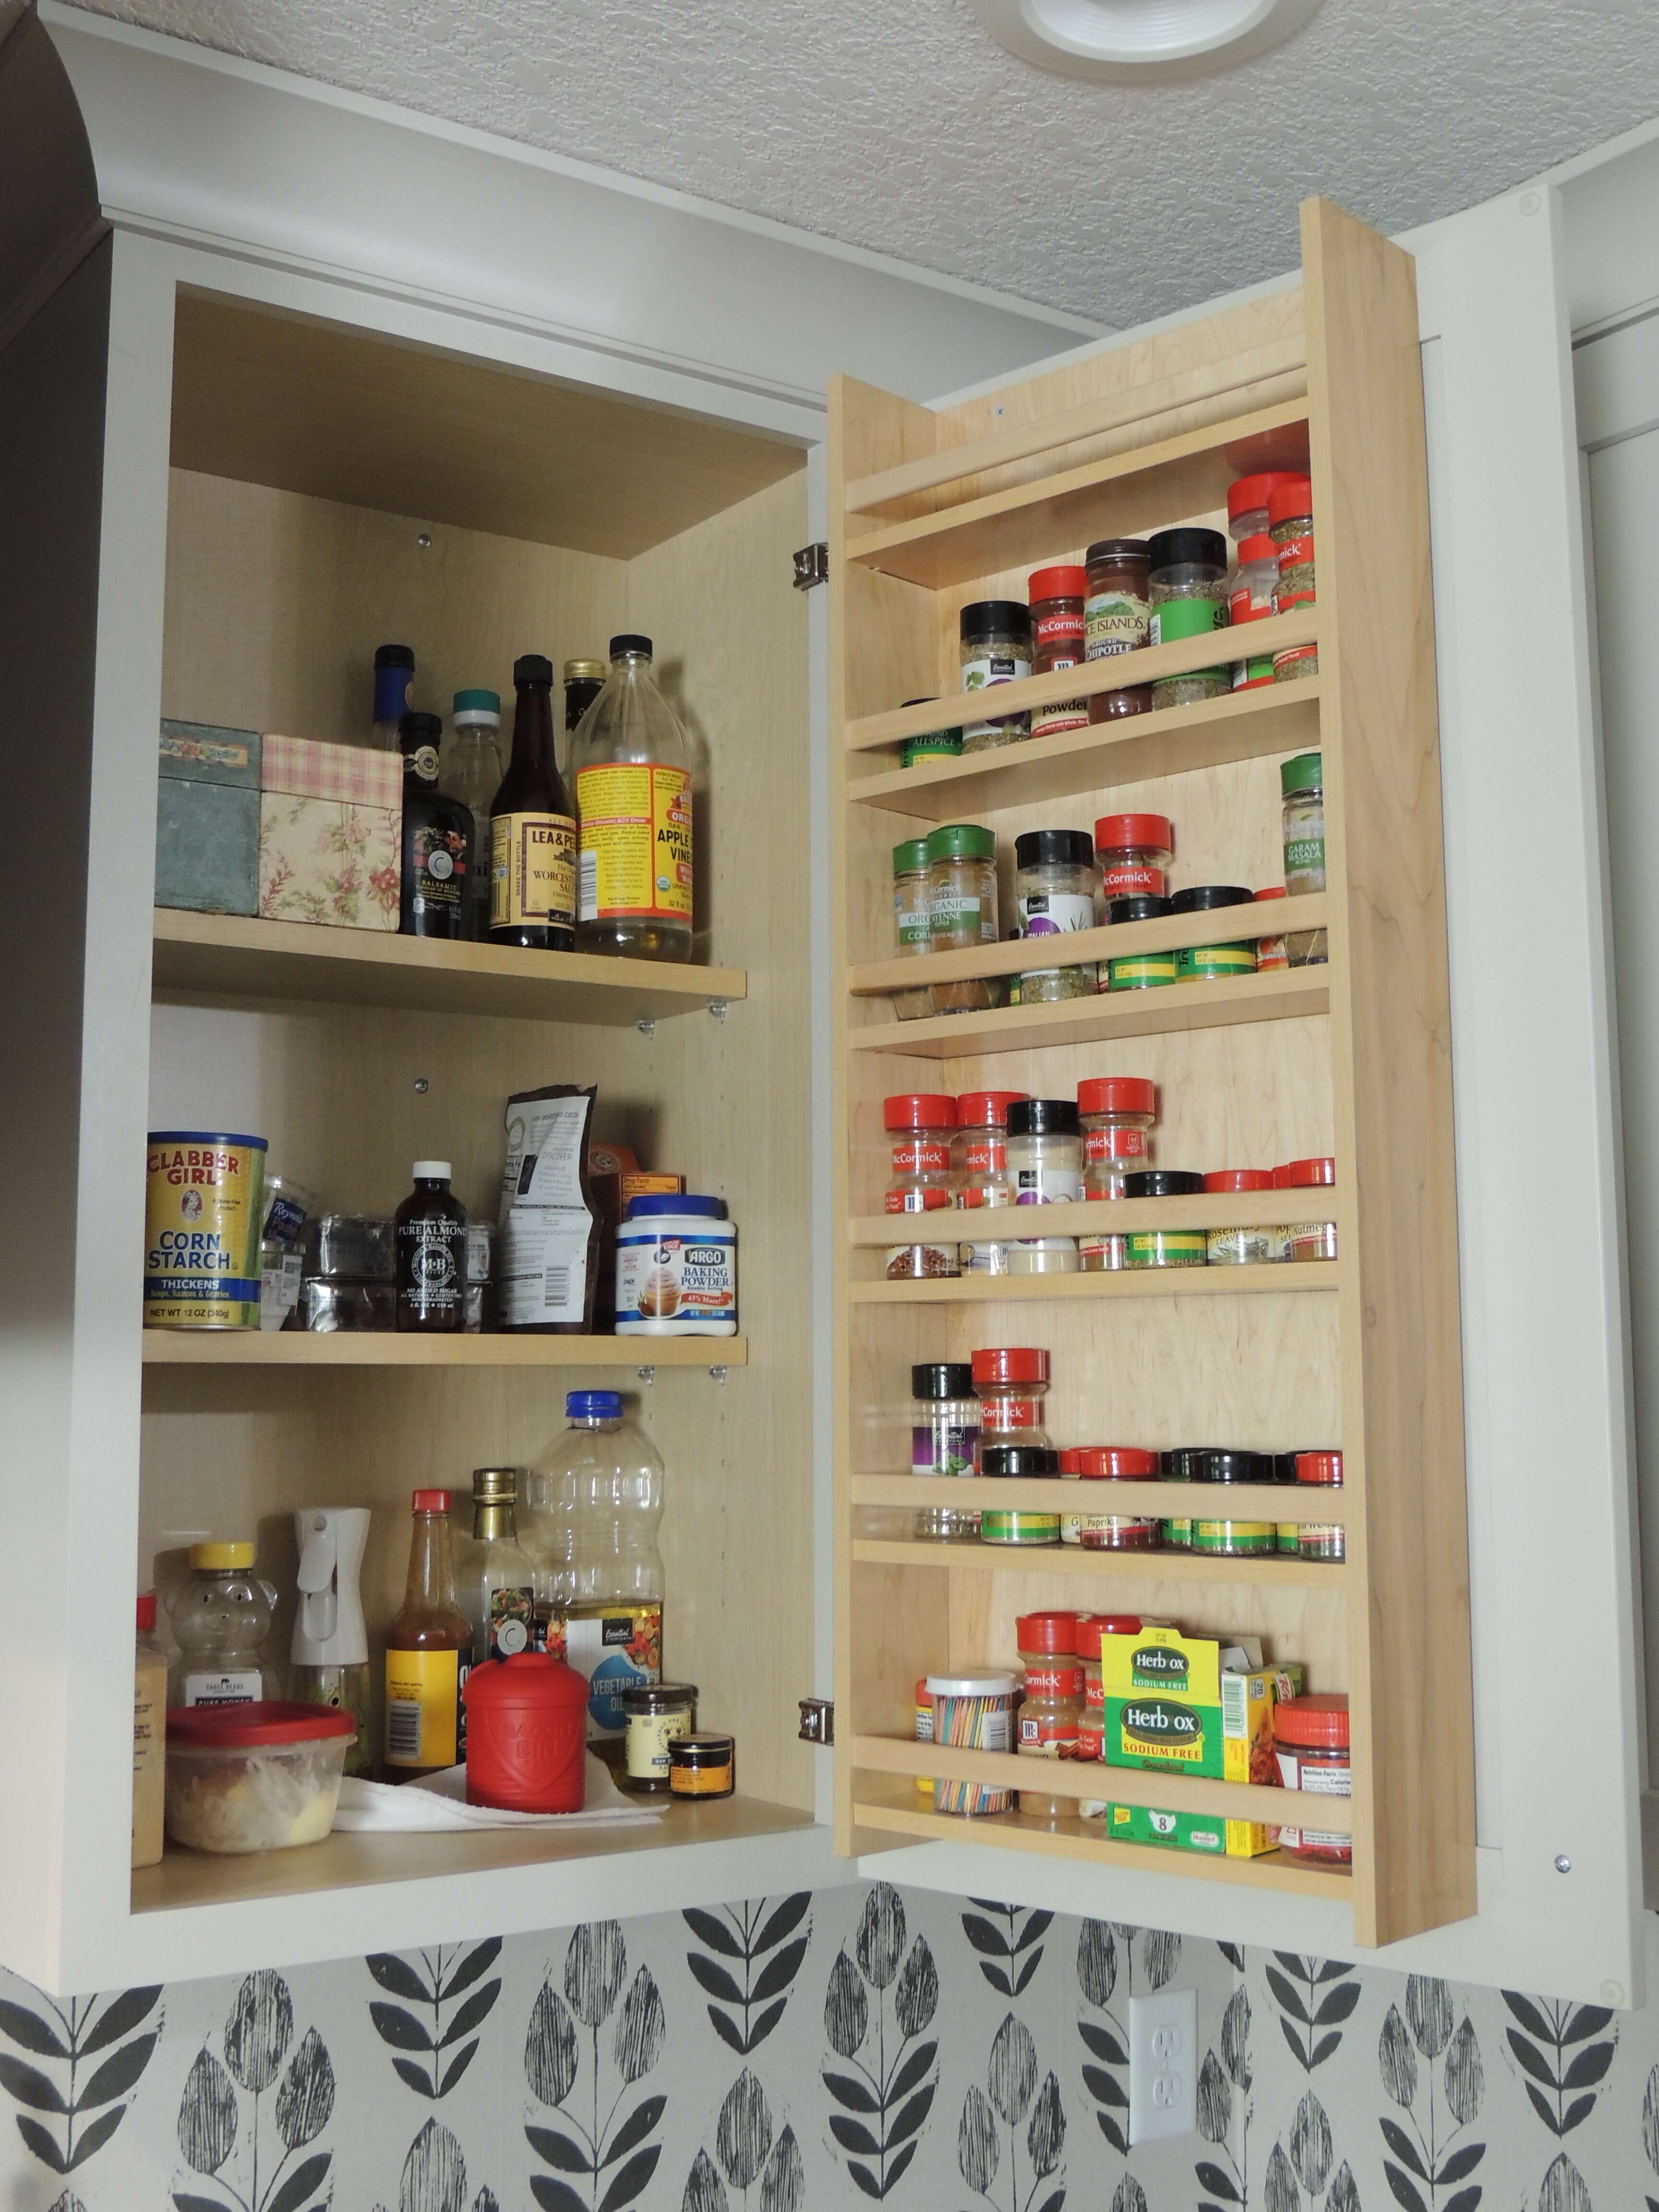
1247, 501
255, 1777
1310, 1743
1114, 1532
1091, 1628
146, 1613
1302, 1175
1012, 1383
921, 1124
1051, 1715
1013, 1363
1117, 1463
1239, 1179
1321, 1540
1057, 596
1271, 952
985, 1110
1133, 850
527, 1726
1117, 1114
1040, 1632
1307, 1240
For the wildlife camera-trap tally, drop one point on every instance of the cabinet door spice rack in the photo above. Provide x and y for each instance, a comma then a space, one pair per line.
930, 510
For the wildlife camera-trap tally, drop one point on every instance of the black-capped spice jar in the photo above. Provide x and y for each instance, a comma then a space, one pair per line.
1165, 1248
702, 1767
1116, 618
996, 648
1055, 888
1023, 1462
1057, 596
1209, 963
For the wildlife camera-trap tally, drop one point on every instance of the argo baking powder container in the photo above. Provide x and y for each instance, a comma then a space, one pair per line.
677, 1268
204, 1211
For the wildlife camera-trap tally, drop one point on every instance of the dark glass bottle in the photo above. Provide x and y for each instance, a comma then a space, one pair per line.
430, 1227
584, 680
437, 854
533, 881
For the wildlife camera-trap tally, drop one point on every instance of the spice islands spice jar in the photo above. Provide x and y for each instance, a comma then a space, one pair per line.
1117, 618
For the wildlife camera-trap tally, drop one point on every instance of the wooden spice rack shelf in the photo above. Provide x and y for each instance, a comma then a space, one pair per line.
1221, 1209
239, 957
282, 1347
1349, 1058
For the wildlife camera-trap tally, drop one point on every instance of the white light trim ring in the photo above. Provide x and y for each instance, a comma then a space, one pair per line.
1130, 40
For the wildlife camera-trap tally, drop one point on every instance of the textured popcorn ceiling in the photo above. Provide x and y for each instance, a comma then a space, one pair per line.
900, 125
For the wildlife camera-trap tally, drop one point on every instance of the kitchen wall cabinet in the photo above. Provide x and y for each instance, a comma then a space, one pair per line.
256, 341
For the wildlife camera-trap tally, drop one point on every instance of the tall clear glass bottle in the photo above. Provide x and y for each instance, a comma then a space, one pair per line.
473, 773
591, 1519
631, 769
494, 1580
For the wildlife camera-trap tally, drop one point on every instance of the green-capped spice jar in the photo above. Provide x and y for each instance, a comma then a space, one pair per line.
1022, 1463
962, 874
1301, 786
913, 922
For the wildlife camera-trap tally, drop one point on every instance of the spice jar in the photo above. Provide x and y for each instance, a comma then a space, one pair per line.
962, 876
921, 1125
1302, 783
1233, 1540
1321, 1540
972, 1710
1165, 1248
1057, 596
1251, 599
1307, 1240
1179, 1465
1270, 951
1018, 1462
996, 648
1247, 502
931, 745
1207, 962
702, 1767
1054, 886
1189, 592
1290, 523
924, 1732
1294, 662
1118, 1113
657, 1715
1284, 1466
1310, 1743
1052, 1710
1115, 1532
1236, 1248
983, 1178
1045, 1158
945, 1425
1011, 1382
913, 921
1116, 618
1134, 852
1092, 1630
1141, 971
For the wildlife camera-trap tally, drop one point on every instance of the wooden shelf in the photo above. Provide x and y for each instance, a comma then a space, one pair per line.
1282, 1573
1178, 1501
1255, 724
1146, 665
894, 1807
1251, 1209
1272, 1279
1283, 994
282, 1347
1123, 940
236, 956
1120, 495
354, 1860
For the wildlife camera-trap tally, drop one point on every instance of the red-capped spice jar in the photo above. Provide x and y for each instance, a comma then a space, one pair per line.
1118, 1113
1237, 1248
1310, 1743
1307, 1240
1251, 598
921, 1125
1133, 850
1321, 1540
1012, 1383
1114, 1532
1057, 596
1248, 498
983, 1180
1289, 524
526, 1728
1270, 951
1052, 1714
1091, 1629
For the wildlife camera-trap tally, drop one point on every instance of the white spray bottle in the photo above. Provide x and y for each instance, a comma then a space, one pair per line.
330, 1650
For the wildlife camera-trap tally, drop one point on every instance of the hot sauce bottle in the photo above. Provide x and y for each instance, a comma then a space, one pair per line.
427, 1649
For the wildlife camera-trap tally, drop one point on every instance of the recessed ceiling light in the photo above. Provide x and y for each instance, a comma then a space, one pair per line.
1132, 39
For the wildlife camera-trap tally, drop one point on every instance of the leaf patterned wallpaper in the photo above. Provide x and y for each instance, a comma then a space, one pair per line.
793, 2054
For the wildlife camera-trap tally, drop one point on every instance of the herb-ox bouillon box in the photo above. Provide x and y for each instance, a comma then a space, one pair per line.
1188, 1704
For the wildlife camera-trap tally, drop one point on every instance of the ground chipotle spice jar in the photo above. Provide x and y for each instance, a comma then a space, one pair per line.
1310, 1743
1057, 596
1052, 1712
920, 1125
1116, 617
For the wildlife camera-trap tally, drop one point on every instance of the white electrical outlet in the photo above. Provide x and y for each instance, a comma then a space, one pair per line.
1163, 2065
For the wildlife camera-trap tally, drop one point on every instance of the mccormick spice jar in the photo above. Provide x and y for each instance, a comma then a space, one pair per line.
1321, 1540
1247, 502
1018, 1462
1290, 522
1141, 971
1236, 1248
1116, 618
1134, 852
983, 1179
1118, 1113
1012, 1382
1114, 1531
913, 921
996, 648
1188, 589
1251, 599
1057, 597
1232, 1539
1091, 1629
921, 1125
962, 874
1051, 1714
1310, 1743
1270, 951
1055, 885
1307, 1240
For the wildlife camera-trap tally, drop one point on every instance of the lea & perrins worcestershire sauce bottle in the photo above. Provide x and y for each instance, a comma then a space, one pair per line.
532, 879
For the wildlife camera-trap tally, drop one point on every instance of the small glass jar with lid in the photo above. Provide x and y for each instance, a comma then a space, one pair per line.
1132, 852
1116, 1532
1116, 618
1055, 885
931, 746
1051, 1714
996, 648
913, 921
1180, 1464
1165, 1248
1057, 598
1240, 1247
983, 1181
1247, 502
1290, 524
961, 871
1012, 1383
1092, 1630
1045, 1157
1302, 785
1016, 1528
1117, 1114
1187, 582
656, 1715
1321, 1540
1307, 1240
1310, 1744
1213, 962
1251, 598
944, 1428
920, 1125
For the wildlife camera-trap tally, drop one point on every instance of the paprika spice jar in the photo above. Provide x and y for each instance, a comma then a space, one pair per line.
1057, 597
1310, 1743
1051, 1716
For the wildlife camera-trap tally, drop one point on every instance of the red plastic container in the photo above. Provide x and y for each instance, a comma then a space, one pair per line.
526, 1725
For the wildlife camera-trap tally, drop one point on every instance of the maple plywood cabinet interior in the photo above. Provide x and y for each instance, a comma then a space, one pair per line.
235, 459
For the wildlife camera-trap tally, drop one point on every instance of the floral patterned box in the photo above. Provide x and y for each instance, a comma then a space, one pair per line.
331, 831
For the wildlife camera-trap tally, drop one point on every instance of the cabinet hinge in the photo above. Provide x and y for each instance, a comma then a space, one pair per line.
811, 566
818, 1720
